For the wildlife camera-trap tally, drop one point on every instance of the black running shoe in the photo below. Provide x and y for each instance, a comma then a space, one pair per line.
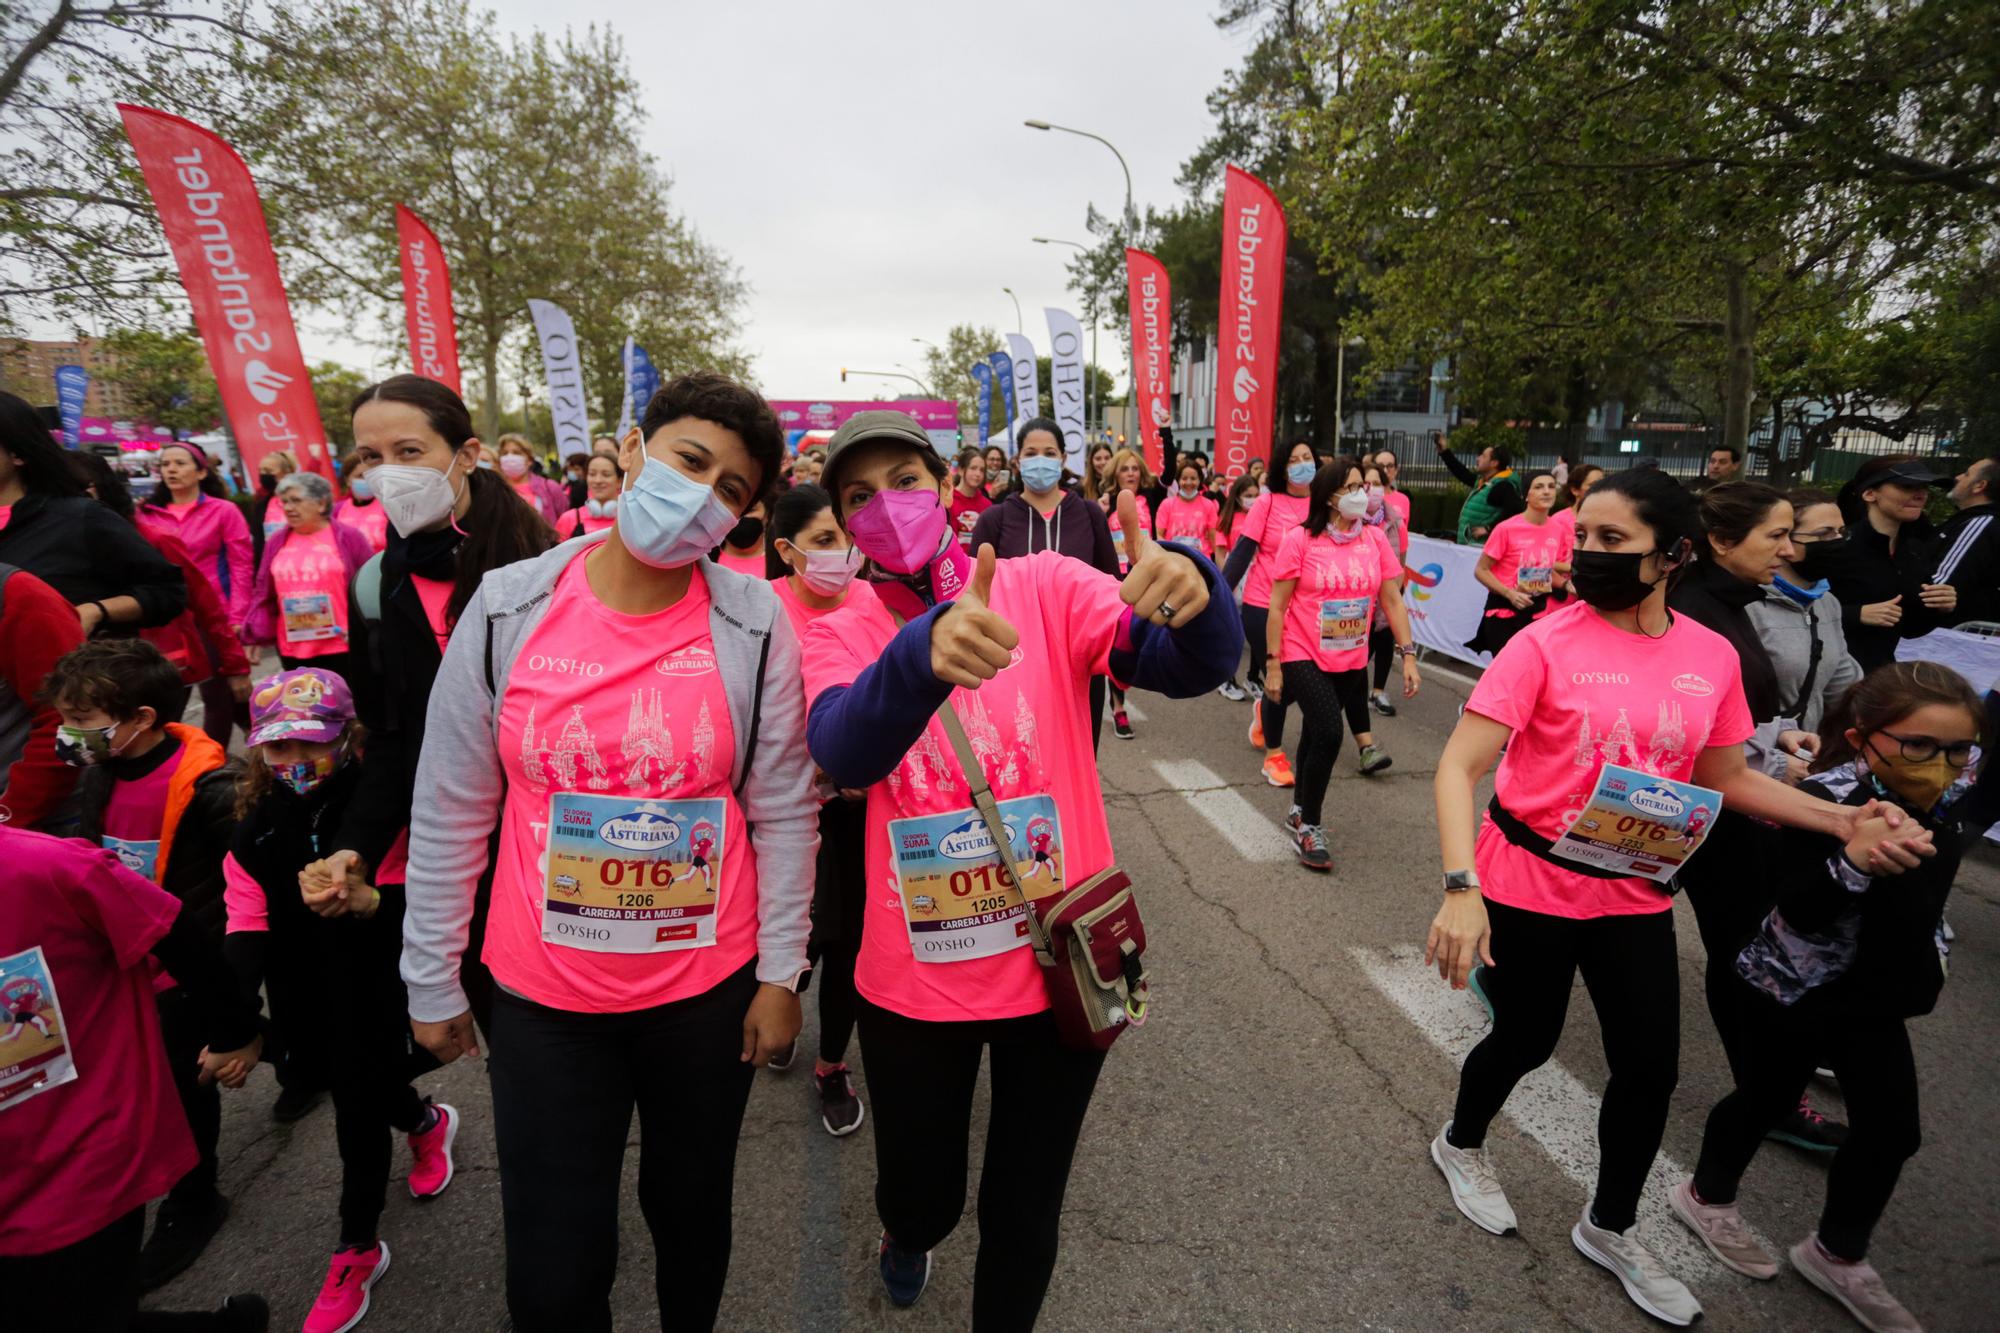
179, 1236
839, 1106
1122, 725
904, 1272
1807, 1129
296, 1103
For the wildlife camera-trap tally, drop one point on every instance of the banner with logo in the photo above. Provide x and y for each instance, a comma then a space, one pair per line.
1003, 375
72, 387
1066, 384
1027, 384
937, 416
982, 375
1445, 600
1150, 297
427, 301
1253, 293
642, 381
214, 222
564, 370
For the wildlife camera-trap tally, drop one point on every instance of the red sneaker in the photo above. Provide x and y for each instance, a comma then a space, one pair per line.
1257, 724
430, 1151
343, 1297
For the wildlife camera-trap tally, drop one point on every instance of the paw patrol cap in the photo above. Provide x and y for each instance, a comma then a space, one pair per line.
303, 704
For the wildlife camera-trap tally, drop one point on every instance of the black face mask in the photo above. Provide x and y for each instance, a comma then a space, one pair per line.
1609, 580
266, 483
747, 532
1815, 559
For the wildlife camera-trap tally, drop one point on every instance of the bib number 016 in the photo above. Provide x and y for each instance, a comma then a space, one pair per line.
658, 873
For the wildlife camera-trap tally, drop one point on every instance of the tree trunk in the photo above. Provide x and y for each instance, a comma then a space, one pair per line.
489, 369
1739, 332
1326, 371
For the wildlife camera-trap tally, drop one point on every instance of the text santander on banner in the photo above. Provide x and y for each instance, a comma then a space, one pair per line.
1253, 291
427, 303
214, 222
1150, 297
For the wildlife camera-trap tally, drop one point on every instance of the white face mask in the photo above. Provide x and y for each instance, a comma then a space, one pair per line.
1354, 504
414, 497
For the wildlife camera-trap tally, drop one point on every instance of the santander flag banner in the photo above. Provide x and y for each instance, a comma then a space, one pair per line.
427, 301
1253, 292
1027, 382
214, 222
1066, 383
1150, 296
564, 369
982, 375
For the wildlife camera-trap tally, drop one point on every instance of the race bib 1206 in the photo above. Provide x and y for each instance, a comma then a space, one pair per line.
628, 876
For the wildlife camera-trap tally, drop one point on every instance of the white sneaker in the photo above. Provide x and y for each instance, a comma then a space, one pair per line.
1858, 1288
1474, 1187
1722, 1229
1646, 1280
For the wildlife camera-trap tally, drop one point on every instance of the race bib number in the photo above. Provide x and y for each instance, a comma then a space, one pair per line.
1640, 825
34, 1043
627, 876
140, 857
1343, 623
959, 898
308, 616
1535, 580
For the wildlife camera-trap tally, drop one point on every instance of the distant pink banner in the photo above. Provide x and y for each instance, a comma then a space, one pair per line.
825, 414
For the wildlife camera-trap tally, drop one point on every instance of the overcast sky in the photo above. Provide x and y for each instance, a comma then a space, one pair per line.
865, 165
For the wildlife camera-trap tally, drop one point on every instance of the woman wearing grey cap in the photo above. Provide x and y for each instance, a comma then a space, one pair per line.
299, 603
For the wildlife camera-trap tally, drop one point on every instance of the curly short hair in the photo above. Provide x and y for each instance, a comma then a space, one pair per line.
118, 676
707, 395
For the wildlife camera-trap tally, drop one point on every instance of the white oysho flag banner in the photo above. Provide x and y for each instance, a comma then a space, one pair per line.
1445, 601
1973, 656
1027, 379
1066, 383
564, 369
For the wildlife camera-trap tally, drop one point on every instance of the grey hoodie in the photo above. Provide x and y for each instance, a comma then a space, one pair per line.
463, 785
1786, 628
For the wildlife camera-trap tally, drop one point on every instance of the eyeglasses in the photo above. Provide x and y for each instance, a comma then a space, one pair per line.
1923, 749
1811, 535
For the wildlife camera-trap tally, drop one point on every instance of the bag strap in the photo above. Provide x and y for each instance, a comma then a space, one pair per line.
756, 714
1515, 830
1798, 708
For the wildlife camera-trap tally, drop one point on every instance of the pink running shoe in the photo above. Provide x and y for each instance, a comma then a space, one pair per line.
430, 1151
343, 1298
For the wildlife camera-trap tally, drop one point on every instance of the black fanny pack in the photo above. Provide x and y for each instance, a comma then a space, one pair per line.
1515, 831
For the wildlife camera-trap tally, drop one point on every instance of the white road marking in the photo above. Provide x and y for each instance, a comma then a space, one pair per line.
1431, 667
1241, 824
1133, 711
1551, 1105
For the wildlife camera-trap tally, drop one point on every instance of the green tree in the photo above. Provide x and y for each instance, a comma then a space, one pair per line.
165, 374
336, 387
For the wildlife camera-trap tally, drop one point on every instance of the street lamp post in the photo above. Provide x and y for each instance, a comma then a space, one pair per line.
1090, 389
885, 374
1340, 384
1017, 310
1129, 229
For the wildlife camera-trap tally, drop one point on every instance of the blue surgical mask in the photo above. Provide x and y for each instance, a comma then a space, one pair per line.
1040, 473
360, 489
667, 519
1301, 474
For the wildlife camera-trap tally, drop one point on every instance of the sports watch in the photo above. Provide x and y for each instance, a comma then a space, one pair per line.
797, 982
1458, 881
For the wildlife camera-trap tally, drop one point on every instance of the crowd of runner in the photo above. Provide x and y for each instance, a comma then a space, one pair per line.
591, 773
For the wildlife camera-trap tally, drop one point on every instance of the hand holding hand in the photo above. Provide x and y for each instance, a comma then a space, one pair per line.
1162, 586
337, 885
230, 1068
970, 643
1880, 850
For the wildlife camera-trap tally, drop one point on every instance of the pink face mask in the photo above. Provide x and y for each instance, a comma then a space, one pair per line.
514, 465
902, 531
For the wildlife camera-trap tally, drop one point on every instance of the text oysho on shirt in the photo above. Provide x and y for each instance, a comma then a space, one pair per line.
608, 705
1578, 694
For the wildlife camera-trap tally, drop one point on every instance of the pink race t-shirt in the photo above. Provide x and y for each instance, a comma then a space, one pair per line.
858, 594
1333, 606
310, 584
435, 594
135, 814
1117, 529
1030, 727
274, 516
1524, 553
751, 564
182, 508
1400, 502
965, 511
1191, 521
76, 930
1268, 521
1580, 694
370, 520
604, 704
568, 525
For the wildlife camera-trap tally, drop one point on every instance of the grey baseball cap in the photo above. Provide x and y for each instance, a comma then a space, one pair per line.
900, 427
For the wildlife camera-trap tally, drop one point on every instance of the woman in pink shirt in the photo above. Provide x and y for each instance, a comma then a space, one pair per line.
299, 604
358, 507
600, 508
742, 547
1613, 679
1329, 576
620, 719
1388, 510
1258, 536
1020, 640
516, 460
1128, 473
1524, 566
1186, 515
192, 501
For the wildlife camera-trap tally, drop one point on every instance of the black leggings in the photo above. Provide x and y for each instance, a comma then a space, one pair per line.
92, 1287
180, 1030
1878, 1079
1322, 697
1731, 890
840, 885
922, 1076
1256, 621
1634, 980
1382, 654
564, 1087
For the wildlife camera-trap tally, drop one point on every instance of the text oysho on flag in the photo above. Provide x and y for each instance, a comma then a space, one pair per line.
1253, 292
214, 221
1066, 384
1027, 386
1003, 376
72, 388
563, 367
642, 381
1150, 296
982, 375
427, 301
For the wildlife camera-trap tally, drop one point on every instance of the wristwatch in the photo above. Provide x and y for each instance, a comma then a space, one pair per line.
1406, 650
797, 982
1458, 881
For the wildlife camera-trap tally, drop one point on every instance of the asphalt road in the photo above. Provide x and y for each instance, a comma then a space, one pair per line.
1256, 1155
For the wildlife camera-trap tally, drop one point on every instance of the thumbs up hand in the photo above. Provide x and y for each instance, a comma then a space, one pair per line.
1161, 586
970, 643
